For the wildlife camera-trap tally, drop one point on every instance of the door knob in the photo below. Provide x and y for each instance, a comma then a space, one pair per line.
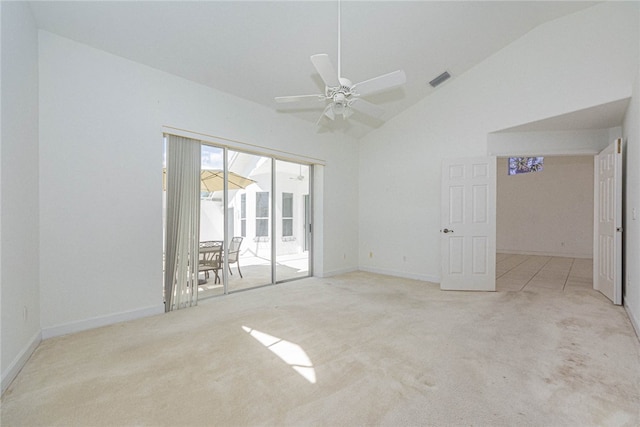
446, 230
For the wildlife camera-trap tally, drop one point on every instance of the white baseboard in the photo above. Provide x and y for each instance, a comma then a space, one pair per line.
336, 272
403, 274
633, 320
14, 367
96, 322
557, 254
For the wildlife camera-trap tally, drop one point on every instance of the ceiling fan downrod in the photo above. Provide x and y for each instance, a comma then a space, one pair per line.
339, 39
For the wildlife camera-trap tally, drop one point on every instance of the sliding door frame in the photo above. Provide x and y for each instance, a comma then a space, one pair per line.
272, 211
225, 220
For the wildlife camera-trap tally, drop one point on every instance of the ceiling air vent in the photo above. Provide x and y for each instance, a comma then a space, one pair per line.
440, 79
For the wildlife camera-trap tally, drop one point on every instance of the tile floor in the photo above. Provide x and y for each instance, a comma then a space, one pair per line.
545, 273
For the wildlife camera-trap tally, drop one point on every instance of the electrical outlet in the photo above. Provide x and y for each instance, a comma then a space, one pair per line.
370, 254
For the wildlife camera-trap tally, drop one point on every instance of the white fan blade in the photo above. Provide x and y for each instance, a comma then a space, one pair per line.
298, 98
327, 112
348, 112
323, 65
367, 108
380, 83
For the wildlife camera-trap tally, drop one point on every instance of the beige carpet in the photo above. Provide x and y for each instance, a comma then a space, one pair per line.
358, 349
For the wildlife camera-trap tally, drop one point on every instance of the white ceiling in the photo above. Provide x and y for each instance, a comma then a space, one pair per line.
259, 50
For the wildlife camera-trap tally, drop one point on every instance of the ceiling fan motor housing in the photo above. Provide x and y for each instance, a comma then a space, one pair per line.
344, 89
345, 85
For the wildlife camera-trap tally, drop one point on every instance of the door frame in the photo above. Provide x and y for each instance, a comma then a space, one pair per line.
314, 218
575, 152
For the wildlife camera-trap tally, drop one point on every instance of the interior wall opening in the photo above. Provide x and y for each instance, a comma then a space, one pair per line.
544, 225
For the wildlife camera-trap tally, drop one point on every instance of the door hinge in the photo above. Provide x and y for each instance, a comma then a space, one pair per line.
619, 145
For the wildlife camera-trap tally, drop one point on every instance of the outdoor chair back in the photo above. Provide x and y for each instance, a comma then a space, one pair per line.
234, 253
210, 258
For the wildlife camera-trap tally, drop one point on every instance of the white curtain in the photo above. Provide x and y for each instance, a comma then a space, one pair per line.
183, 222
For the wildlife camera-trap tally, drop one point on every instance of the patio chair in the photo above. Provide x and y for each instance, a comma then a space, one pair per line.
210, 258
234, 253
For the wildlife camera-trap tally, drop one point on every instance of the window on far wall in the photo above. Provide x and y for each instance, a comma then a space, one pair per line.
287, 214
262, 214
243, 215
518, 165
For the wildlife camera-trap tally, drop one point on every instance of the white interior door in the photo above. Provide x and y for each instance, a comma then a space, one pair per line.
607, 242
468, 224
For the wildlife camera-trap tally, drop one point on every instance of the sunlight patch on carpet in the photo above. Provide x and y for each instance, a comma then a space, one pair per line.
291, 353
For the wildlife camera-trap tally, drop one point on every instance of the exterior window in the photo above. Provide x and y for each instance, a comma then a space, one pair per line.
287, 214
262, 214
518, 165
243, 215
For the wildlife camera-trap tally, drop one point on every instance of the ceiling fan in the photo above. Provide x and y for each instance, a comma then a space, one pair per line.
342, 94
300, 176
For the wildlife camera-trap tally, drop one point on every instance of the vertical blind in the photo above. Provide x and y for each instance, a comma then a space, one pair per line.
183, 222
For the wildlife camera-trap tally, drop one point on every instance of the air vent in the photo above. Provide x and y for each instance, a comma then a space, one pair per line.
440, 79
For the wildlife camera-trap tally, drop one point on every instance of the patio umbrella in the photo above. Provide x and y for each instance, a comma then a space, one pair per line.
213, 180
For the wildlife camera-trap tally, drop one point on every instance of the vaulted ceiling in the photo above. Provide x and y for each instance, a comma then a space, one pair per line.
259, 50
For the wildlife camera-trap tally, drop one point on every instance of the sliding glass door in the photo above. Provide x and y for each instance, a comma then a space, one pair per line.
255, 221
292, 223
250, 234
211, 279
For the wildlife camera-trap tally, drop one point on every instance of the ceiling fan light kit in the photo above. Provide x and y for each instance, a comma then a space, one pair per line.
344, 97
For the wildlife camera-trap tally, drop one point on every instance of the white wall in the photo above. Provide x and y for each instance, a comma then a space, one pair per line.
579, 61
101, 178
631, 134
549, 212
19, 277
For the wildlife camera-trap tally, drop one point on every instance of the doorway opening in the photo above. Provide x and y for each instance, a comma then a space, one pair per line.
544, 225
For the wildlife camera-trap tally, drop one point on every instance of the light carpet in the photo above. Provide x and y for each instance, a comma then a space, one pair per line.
357, 349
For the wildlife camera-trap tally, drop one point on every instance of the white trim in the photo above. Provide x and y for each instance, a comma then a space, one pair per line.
21, 359
421, 277
633, 320
511, 152
243, 146
96, 322
584, 142
556, 254
335, 272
